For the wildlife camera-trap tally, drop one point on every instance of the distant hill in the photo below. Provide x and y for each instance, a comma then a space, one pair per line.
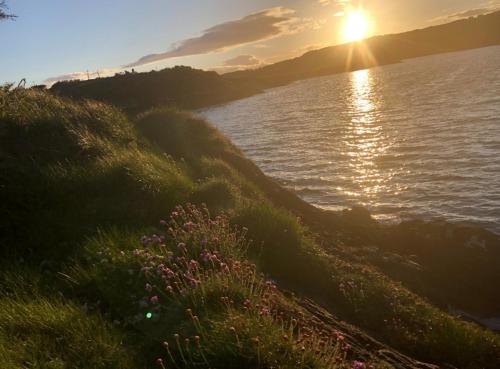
464, 34
136, 92
189, 88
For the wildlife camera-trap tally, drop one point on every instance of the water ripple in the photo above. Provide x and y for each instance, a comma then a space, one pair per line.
416, 139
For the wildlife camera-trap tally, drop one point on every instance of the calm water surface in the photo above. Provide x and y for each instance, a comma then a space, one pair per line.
416, 139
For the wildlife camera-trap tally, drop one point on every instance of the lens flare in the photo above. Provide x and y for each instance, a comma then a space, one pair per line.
356, 25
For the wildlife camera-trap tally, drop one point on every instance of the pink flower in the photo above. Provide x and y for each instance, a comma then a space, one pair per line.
271, 284
194, 282
145, 269
358, 365
155, 238
148, 287
193, 265
265, 312
224, 267
155, 299
189, 225
168, 273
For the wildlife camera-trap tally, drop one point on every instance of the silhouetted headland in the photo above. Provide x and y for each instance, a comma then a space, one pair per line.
189, 88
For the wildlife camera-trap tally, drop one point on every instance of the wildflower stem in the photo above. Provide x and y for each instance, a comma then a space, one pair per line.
179, 347
171, 357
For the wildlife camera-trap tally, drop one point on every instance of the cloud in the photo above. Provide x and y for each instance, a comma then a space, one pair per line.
336, 2
255, 28
242, 60
259, 26
260, 46
313, 47
489, 7
472, 12
82, 75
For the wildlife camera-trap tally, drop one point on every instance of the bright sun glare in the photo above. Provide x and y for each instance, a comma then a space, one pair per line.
356, 26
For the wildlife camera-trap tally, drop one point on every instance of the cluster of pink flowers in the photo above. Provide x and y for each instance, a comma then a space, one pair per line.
188, 252
358, 365
194, 250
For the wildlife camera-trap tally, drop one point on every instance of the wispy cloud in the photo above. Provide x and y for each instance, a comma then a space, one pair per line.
260, 26
242, 60
335, 2
488, 7
82, 75
239, 62
255, 28
313, 47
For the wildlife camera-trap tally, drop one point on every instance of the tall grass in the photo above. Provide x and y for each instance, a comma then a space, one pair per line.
81, 167
364, 296
42, 331
80, 183
190, 285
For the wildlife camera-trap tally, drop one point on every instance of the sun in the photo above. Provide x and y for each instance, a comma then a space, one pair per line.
356, 25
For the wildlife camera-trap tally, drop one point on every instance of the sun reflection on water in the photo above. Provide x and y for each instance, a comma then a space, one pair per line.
365, 138
361, 84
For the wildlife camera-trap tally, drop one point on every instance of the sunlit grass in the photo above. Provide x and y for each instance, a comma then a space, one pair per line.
93, 182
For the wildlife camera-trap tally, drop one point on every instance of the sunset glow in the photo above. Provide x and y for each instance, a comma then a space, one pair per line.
308, 184
356, 26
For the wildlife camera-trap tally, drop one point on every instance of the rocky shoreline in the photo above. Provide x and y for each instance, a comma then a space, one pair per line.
451, 264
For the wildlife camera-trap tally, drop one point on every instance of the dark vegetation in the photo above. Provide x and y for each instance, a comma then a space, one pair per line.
91, 279
187, 88
3, 12
183, 87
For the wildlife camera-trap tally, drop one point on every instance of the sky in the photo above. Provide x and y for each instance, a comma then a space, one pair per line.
64, 39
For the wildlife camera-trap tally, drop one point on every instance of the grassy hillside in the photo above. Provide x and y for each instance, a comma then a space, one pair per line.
154, 242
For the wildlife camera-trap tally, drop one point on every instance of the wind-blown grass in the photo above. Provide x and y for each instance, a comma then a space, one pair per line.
41, 331
80, 183
191, 278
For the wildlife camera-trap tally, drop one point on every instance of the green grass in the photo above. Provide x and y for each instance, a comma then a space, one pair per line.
231, 317
40, 331
81, 184
78, 176
364, 296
